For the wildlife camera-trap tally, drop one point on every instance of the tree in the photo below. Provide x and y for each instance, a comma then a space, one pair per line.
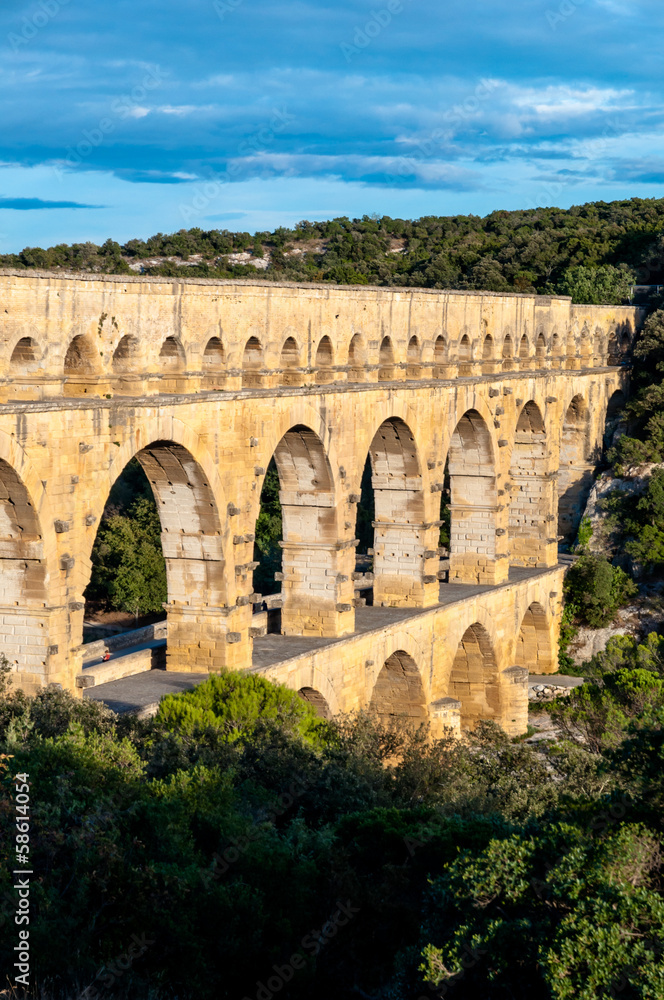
129, 571
234, 703
606, 285
597, 589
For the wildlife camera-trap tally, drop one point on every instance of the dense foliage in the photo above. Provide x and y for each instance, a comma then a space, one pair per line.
597, 589
644, 441
269, 532
360, 864
592, 252
235, 704
128, 567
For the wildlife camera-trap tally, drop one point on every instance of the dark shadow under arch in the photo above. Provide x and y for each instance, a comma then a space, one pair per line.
213, 355
317, 701
126, 354
81, 357
25, 354
533, 646
474, 680
398, 693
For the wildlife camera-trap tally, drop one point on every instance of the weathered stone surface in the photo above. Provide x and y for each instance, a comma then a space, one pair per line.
209, 380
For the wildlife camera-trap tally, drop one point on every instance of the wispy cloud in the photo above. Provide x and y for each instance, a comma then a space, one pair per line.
33, 204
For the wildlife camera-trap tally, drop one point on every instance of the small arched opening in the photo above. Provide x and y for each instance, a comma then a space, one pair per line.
524, 348
508, 353
289, 362
413, 358
357, 359
252, 362
125, 356
386, 361
213, 355
317, 701
81, 357
540, 348
25, 355
487, 348
171, 355
534, 650
324, 361
398, 694
474, 680
439, 356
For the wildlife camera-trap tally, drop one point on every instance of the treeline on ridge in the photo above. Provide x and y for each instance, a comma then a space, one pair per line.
592, 252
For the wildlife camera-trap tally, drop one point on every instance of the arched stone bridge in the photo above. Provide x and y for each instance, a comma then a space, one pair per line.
206, 381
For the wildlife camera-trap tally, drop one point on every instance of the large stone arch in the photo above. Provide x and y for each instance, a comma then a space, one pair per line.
202, 587
613, 417
576, 466
534, 647
398, 693
475, 555
475, 678
316, 587
402, 536
193, 539
34, 616
532, 498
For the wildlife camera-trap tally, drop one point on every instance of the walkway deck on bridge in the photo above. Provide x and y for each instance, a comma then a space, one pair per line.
139, 693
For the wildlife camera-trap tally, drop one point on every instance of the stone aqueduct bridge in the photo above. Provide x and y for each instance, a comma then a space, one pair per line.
205, 381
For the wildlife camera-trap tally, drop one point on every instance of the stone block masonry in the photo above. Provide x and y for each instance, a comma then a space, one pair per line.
205, 382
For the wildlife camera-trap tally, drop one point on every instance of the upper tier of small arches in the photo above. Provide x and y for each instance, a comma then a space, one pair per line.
107, 335
135, 367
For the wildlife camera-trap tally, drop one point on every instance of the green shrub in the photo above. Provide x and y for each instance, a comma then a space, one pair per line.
235, 703
597, 589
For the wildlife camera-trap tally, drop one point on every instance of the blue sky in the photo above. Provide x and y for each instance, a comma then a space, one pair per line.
131, 118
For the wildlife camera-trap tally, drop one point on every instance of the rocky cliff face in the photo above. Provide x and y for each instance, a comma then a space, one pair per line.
646, 613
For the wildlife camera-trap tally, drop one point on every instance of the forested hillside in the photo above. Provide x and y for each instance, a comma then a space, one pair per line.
592, 252
239, 847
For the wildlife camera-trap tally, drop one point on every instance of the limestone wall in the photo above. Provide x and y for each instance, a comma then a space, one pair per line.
429, 383
88, 334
